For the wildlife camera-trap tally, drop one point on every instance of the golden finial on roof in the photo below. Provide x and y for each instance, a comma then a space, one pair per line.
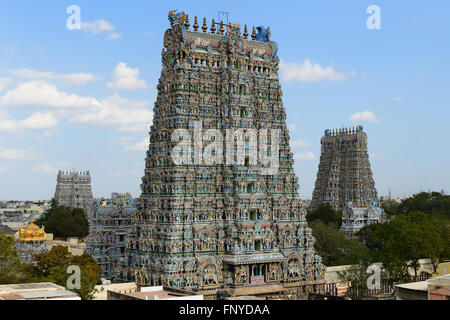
213, 27
221, 30
195, 24
204, 27
245, 34
254, 33
187, 24
31, 233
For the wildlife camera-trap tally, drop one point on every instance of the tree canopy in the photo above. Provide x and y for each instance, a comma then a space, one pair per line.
64, 222
10, 265
52, 267
326, 214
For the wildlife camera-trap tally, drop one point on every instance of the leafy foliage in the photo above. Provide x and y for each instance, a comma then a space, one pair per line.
326, 214
52, 267
10, 265
64, 222
402, 241
334, 248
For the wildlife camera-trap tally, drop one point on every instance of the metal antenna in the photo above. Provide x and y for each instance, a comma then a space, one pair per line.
223, 14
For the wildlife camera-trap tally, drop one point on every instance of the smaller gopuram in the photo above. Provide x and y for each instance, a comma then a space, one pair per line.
73, 189
353, 219
110, 223
344, 179
32, 240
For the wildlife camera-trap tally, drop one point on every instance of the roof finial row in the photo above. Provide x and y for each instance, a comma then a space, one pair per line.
220, 31
343, 131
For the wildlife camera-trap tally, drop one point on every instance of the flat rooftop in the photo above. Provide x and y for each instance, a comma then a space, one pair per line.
36, 291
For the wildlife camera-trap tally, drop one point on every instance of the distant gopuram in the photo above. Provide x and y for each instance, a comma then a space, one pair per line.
73, 189
344, 179
219, 208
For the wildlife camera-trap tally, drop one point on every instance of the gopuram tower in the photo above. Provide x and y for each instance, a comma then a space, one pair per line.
73, 189
344, 179
219, 208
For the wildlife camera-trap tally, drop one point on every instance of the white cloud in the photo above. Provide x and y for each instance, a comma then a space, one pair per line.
114, 36
122, 114
43, 94
139, 146
374, 156
398, 99
48, 168
13, 154
70, 79
309, 72
4, 83
305, 156
125, 78
291, 128
37, 120
45, 168
97, 26
365, 116
299, 143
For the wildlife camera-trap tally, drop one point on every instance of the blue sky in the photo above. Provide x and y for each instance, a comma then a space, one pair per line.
83, 98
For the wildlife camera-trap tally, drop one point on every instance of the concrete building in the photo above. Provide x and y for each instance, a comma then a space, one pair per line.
437, 288
442, 269
120, 288
36, 291
154, 293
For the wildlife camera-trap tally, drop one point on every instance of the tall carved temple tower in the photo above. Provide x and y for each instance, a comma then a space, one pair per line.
73, 189
237, 221
110, 223
344, 179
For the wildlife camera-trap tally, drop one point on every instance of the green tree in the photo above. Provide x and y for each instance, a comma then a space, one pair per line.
52, 267
10, 265
431, 203
64, 222
336, 249
390, 206
406, 239
326, 214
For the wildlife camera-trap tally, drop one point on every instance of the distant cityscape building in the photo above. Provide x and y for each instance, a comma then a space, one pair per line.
73, 189
344, 179
110, 223
32, 240
233, 225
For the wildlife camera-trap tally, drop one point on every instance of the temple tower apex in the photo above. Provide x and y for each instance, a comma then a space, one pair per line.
344, 179
219, 206
73, 189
